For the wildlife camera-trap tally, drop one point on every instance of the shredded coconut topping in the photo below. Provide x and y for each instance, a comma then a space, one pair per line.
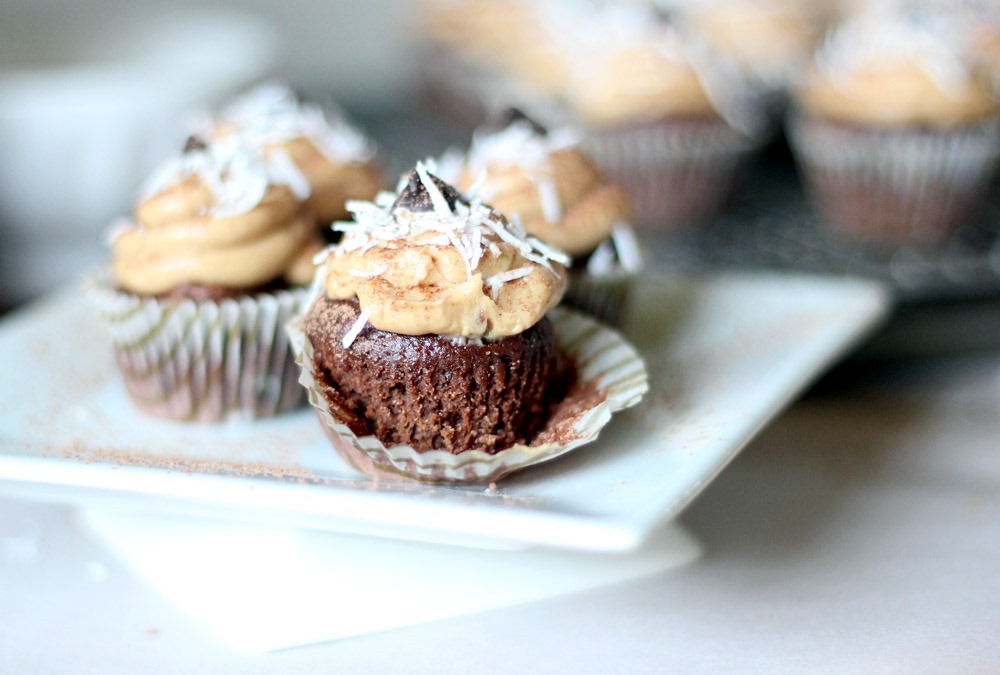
471, 227
880, 35
237, 178
359, 325
272, 114
520, 145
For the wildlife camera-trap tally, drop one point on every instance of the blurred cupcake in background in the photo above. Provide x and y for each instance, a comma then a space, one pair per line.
204, 278
337, 160
481, 56
662, 115
543, 179
896, 129
770, 41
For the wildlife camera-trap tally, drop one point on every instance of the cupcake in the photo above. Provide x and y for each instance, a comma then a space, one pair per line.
545, 180
769, 41
662, 116
429, 347
202, 282
895, 131
336, 159
481, 56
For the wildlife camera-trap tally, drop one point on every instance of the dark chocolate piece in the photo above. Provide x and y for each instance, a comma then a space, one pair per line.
194, 144
510, 116
415, 197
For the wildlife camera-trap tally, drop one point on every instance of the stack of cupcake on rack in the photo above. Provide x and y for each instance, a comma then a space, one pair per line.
671, 97
896, 124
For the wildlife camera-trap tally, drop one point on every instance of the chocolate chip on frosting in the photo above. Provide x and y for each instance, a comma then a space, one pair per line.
511, 116
195, 143
415, 197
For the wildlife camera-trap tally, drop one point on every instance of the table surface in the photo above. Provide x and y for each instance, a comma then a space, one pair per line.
857, 533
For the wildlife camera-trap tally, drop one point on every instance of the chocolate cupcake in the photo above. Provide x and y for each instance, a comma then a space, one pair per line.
427, 349
545, 180
336, 159
202, 283
896, 132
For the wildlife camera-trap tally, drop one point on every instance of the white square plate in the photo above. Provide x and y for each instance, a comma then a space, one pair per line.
725, 354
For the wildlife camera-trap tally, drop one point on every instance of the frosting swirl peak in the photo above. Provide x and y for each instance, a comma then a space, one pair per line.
217, 215
427, 261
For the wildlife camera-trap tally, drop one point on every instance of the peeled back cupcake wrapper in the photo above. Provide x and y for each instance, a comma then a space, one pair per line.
202, 361
917, 185
611, 376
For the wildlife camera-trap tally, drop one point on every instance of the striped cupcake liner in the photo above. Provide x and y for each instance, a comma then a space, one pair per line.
201, 361
676, 175
895, 186
611, 376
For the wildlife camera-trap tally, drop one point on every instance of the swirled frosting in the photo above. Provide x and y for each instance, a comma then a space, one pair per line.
217, 215
333, 155
636, 66
896, 68
426, 261
544, 179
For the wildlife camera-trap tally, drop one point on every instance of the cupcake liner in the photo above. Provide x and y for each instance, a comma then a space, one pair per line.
611, 376
202, 361
677, 173
601, 286
891, 187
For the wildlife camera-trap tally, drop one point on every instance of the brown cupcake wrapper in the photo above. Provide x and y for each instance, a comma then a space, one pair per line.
202, 361
676, 174
611, 376
893, 187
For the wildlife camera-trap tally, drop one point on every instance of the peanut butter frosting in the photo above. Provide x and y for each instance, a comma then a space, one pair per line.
335, 157
217, 216
771, 40
634, 66
426, 261
543, 178
896, 70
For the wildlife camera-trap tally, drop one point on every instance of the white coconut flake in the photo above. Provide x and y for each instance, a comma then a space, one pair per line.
495, 281
549, 197
368, 274
237, 178
473, 229
359, 325
271, 114
627, 247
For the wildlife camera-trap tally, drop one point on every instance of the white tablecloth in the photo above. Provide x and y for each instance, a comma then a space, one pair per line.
859, 533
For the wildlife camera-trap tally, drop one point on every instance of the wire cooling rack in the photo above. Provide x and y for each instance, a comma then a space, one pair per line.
770, 223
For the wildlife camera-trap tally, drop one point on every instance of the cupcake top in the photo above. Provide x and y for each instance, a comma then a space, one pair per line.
217, 215
335, 157
636, 65
427, 261
896, 68
545, 180
271, 114
768, 39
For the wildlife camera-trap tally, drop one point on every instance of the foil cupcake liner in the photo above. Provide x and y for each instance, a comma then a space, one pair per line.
895, 187
677, 173
611, 376
201, 361
600, 286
